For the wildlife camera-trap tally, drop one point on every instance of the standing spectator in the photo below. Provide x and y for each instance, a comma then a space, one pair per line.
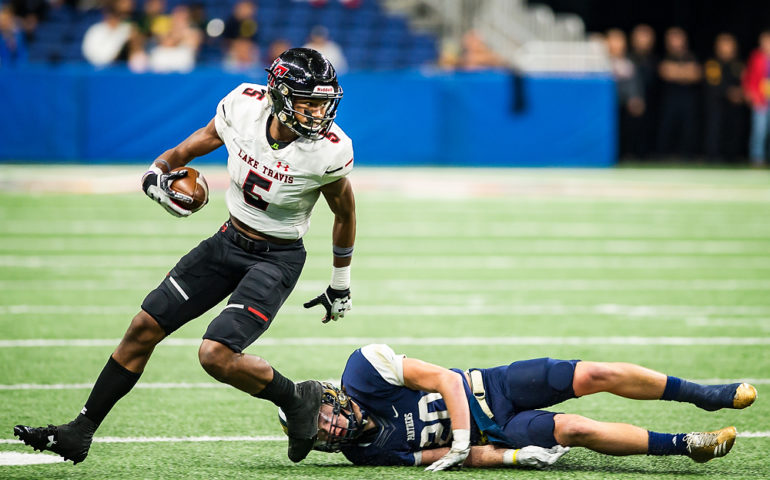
629, 88
178, 47
646, 64
276, 48
242, 57
153, 18
13, 48
242, 22
724, 106
138, 60
476, 54
319, 41
105, 42
756, 83
680, 74
31, 12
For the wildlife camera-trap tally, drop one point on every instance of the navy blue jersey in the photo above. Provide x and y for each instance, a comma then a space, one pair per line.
408, 420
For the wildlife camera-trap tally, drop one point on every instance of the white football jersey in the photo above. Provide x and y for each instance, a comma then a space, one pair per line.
274, 191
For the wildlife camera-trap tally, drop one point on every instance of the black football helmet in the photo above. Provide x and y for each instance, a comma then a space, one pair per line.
340, 406
303, 73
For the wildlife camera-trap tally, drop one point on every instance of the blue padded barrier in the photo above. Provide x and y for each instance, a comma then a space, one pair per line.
77, 114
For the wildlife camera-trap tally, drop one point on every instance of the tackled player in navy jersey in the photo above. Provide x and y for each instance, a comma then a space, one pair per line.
284, 152
394, 410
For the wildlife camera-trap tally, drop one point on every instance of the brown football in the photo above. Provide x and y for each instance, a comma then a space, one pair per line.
192, 185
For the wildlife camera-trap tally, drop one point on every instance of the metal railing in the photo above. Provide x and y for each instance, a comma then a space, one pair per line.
530, 38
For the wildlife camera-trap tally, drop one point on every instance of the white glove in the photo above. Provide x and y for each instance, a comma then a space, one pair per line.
461, 447
155, 184
538, 457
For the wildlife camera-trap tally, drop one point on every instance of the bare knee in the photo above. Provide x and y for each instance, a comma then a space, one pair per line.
138, 342
574, 430
592, 377
144, 330
216, 359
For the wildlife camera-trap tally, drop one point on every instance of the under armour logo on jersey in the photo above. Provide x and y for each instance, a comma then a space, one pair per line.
285, 166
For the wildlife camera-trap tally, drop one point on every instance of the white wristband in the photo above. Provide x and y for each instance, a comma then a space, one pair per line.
340, 278
509, 457
153, 169
461, 439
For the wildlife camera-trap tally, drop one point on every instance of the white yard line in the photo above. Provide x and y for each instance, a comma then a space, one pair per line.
260, 438
428, 341
513, 255
210, 385
468, 309
81, 386
536, 285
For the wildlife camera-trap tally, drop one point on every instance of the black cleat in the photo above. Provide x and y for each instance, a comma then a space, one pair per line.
302, 420
71, 440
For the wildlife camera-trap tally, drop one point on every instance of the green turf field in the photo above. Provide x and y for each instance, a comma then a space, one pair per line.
666, 268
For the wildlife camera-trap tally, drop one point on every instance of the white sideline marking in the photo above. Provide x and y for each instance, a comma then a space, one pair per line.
161, 386
432, 341
261, 438
18, 458
754, 434
570, 256
79, 386
463, 310
400, 285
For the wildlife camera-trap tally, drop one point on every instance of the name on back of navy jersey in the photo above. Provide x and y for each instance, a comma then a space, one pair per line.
409, 421
274, 191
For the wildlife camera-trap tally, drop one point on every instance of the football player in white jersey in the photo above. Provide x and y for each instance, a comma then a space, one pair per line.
284, 151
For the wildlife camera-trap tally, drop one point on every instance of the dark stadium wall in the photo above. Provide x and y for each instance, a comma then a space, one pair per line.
394, 118
701, 19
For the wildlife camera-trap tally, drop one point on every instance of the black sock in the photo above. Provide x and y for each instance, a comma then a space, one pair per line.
281, 391
114, 382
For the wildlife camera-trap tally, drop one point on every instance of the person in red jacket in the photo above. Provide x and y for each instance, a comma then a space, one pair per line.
756, 83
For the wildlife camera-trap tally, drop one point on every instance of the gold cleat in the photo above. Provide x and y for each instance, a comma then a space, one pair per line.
745, 395
703, 446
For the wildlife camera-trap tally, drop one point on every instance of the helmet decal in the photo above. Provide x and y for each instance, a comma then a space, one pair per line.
278, 70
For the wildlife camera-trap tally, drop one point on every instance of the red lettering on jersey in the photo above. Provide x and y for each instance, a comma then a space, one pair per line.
332, 137
248, 159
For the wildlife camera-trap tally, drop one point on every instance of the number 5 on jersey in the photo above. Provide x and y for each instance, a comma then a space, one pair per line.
253, 181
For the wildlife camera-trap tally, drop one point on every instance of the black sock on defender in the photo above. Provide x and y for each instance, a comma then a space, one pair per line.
113, 383
281, 391
707, 397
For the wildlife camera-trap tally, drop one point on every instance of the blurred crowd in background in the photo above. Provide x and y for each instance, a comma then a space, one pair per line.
675, 106
672, 105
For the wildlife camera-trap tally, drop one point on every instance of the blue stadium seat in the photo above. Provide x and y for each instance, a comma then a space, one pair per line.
370, 38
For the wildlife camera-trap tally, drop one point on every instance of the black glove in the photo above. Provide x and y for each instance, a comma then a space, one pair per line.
336, 303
